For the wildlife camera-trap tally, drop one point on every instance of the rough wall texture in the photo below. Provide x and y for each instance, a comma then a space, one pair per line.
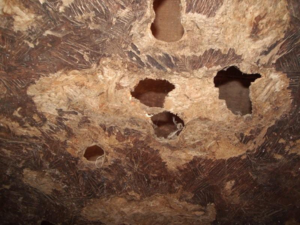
67, 68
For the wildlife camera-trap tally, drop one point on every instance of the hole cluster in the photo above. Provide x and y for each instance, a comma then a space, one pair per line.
152, 93
233, 88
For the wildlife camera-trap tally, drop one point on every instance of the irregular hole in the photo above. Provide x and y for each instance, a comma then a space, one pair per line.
151, 92
44, 222
167, 24
167, 125
92, 153
234, 89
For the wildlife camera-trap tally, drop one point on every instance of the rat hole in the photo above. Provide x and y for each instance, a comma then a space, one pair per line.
152, 92
234, 89
167, 125
167, 24
92, 153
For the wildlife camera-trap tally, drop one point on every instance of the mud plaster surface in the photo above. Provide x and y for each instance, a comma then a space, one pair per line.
23, 18
40, 181
232, 27
95, 99
161, 210
209, 122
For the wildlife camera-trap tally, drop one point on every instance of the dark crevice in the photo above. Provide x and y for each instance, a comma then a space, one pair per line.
44, 222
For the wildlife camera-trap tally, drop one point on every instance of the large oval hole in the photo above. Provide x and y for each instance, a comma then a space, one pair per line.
234, 89
167, 24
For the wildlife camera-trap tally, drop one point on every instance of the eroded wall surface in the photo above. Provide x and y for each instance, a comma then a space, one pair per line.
67, 72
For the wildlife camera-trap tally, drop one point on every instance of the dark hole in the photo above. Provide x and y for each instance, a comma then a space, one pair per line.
93, 152
44, 222
152, 92
234, 89
167, 125
167, 24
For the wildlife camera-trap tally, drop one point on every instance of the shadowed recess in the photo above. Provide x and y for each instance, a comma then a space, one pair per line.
44, 222
93, 152
167, 125
234, 89
152, 92
167, 24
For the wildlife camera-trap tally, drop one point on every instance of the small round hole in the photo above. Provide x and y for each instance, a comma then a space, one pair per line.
152, 92
167, 125
93, 152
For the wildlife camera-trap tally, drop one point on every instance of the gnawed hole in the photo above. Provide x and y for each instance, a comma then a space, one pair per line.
151, 92
92, 153
167, 125
44, 222
234, 89
167, 24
